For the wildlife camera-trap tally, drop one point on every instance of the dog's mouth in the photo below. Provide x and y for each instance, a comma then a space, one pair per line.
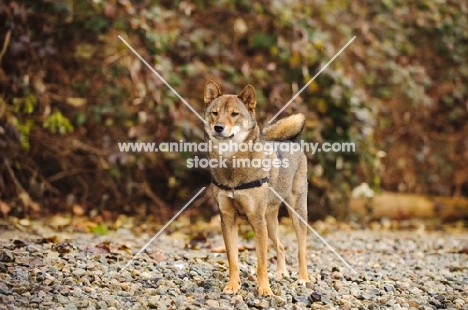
221, 137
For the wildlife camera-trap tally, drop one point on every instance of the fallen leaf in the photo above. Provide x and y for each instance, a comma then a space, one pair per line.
104, 246
60, 221
159, 257
100, 229
4, 208
19, 244
125, 248
76, 102
93, 249
78, 210
219, 249
243, 248
249, 234
222, 249
62, 248
52, 239
24, 222
197, 242
48, 281
84, 50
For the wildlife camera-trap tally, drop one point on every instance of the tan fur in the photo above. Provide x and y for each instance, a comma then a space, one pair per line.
285, 129
232, 118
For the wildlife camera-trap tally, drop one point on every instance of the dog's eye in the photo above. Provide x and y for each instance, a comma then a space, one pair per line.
234, 114
214, 113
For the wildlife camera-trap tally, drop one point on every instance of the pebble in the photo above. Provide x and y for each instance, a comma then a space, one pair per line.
388, 288
338, 285
79, 272
212, 303
71, 306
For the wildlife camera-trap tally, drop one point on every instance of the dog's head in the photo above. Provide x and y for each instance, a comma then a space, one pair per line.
229, 116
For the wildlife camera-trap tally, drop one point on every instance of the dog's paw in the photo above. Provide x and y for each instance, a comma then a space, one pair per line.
231, 288
265, 291
302, 282
280, 274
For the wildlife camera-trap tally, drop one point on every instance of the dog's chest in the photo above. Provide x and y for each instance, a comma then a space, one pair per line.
236, 202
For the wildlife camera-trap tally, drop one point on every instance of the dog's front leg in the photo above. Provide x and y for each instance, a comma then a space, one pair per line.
229, 228
258, 222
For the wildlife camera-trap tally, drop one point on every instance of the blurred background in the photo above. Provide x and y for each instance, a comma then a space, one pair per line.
70, 91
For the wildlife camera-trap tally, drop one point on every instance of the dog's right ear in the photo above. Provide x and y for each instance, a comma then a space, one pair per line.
211, 91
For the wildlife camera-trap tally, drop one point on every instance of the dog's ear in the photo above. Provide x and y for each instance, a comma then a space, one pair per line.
249, 97
211, 91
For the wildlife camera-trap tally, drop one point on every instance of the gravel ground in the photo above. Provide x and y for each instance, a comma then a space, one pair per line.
410, 268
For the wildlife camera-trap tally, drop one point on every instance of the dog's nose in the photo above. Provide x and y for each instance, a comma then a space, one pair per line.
218, 128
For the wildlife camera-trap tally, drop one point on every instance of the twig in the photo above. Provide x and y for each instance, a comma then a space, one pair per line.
46, 184
64, 174
12, 175
23, 195
88, 148
158, 201
202, 199
5, 45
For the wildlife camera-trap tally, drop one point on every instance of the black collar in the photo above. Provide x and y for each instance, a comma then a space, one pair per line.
256, 183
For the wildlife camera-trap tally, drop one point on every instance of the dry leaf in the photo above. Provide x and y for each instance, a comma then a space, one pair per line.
62, 248
52, 239
84, 50
19, 244
60, 221
48, 281
125, 248
101, 248
159, 257
219, 249
76, 102
78, 210
4, 208
24, 222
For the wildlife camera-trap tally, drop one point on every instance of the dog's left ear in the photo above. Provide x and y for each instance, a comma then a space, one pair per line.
249, 97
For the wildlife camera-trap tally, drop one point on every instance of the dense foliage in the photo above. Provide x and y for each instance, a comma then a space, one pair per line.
70, 90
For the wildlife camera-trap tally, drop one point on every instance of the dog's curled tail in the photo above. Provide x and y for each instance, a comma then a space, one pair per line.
285, 129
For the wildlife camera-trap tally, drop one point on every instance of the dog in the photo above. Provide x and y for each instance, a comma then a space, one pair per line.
243, 191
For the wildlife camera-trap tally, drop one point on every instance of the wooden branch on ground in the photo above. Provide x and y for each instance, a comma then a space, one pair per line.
404, 206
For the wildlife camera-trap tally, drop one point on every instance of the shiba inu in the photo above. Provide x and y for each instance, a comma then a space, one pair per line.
242, 190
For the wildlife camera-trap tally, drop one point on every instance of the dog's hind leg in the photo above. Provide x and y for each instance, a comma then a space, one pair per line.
298, 201
299, 204
272, 224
